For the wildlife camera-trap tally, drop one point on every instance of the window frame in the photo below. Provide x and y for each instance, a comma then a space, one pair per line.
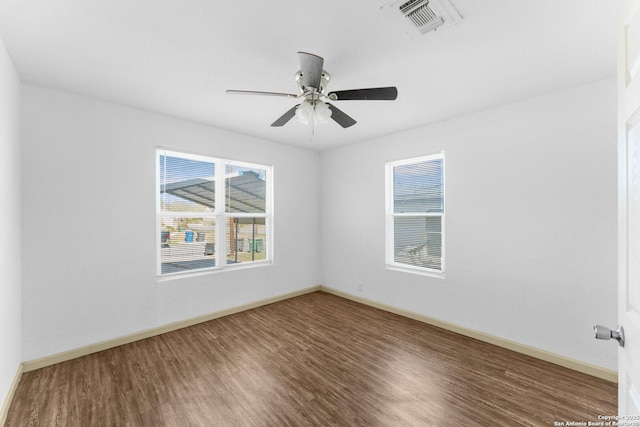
219, 214
390, 215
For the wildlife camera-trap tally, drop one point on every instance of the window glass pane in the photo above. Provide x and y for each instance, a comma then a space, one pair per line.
246, 240
417, 187
246, 189
189, 220
187, 243
418, 241
186, 185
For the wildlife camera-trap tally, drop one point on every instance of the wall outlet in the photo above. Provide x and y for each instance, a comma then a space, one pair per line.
360, 287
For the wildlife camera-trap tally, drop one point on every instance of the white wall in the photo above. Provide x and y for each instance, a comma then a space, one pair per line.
89, 222
10, 241
530, 221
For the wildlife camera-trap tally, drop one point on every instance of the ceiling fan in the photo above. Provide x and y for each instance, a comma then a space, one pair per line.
312, 83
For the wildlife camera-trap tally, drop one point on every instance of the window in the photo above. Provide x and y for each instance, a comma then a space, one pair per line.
209, 206
415, 214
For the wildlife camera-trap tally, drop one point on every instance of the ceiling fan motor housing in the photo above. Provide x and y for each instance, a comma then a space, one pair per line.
312, 93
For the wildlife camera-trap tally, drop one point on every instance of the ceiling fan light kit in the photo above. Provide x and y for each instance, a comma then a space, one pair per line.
312, 81
317, 111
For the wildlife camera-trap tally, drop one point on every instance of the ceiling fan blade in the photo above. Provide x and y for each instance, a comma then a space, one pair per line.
311, 67
255, 92
340, 117
283, 119
370, 94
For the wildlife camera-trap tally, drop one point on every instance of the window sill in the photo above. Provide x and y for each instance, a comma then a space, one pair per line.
214, 270
418, 271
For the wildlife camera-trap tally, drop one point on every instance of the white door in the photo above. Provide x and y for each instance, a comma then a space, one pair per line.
629, 207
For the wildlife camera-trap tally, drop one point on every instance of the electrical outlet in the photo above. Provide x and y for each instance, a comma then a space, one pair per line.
360, 287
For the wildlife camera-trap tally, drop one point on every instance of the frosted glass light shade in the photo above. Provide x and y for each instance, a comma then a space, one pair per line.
322, 112
304, 112
319, 112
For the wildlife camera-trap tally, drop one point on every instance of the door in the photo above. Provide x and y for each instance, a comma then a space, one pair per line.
629, 206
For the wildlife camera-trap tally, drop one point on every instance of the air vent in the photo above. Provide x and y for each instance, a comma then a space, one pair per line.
421, 15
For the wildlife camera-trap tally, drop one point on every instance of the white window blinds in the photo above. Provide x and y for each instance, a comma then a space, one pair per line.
415, 213
212, 213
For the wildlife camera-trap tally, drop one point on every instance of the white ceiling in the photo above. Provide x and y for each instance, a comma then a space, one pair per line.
177, 57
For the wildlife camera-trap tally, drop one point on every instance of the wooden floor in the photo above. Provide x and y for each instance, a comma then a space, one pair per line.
312, 360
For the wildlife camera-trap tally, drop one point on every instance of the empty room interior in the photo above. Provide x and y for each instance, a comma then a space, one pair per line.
309, 213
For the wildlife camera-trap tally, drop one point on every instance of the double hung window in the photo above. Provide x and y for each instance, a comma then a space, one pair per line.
211, 213
415, 214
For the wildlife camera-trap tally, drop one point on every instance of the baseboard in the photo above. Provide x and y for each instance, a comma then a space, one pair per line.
105, 345
576, 365
12, 391
573, 364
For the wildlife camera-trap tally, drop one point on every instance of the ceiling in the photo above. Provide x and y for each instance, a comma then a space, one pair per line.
178, 57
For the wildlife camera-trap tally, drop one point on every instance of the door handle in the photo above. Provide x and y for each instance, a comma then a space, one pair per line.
604, 333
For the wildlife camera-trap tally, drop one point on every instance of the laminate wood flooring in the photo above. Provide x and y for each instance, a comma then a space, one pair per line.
316, 360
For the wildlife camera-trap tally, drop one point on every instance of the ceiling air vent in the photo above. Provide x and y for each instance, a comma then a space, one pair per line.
422, 15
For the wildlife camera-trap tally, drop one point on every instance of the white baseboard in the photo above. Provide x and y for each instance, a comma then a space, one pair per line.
573, 364
105, 345
10, 394
576, 365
